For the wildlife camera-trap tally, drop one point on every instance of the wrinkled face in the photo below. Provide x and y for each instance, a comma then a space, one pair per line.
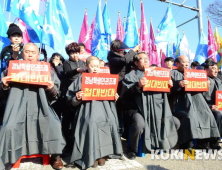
82, 49
15, 39
212, 71
143, 62
94, 66
168, 64
30, 53
184, 64
74, 56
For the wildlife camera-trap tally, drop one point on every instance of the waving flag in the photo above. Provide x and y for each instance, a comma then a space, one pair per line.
131, 33
201, 52
144, 37
167, 31
84, 35
154, 58
53, 34
64, 19
176, 46
4, 28
107, 25
23, 9
184, 47
99, 44
22, 26
124, 24
163, 57
218, 40
120, 33
212, 46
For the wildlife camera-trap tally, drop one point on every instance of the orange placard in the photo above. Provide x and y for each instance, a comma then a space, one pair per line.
219, 99
29, 72
158, 79
99, 86
104, 70
197, 80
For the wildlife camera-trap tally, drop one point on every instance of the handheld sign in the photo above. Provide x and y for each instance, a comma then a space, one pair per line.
101, 86
29, 72
197, 80
104, 70
219, 99
158, 79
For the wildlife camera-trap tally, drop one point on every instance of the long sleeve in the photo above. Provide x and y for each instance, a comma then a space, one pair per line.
68, 71
122, 61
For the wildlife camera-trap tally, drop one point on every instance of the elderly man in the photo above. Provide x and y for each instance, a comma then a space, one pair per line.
197, 121
146, 112
30, 126
209, 96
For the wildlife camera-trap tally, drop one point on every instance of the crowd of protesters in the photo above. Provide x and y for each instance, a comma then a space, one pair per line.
54, 119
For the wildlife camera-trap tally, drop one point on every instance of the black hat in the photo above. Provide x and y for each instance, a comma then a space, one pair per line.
13, 28
122, 46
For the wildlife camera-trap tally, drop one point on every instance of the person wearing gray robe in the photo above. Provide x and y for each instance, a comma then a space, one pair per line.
30, 126
197, 121
210, 96
96, 126
146, 112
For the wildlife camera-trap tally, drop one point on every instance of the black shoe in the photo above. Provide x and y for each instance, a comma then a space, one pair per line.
215, 146
131, 155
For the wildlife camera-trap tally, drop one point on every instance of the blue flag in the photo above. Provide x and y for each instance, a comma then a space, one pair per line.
131, 32
63, 15
23, 10
99, 44
53, 33
201, 52
107, 26
4, 41
167, 31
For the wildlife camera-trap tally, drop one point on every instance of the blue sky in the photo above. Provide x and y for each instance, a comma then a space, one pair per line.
153, 9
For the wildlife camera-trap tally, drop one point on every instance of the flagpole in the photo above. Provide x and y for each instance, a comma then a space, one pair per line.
4, 6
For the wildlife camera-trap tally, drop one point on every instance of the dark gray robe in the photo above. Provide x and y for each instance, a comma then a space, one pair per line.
160, 130
96, 128
197, 120
210, 95
30, 126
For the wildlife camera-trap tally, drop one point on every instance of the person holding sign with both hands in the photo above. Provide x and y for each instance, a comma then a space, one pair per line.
190, 107
146, 112
30, 126
95, 124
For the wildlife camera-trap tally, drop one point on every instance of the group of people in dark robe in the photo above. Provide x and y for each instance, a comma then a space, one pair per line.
54, 119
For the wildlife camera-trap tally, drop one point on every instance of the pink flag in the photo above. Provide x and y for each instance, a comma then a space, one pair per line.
212, 46
90, 33
120, 33
84, 35
154, 59
144, 37
25, 34
163, 57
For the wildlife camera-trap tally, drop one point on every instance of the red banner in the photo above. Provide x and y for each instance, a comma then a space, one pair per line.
22, 71
197, 80
158, 79
219, 99
104, 70
99, 86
